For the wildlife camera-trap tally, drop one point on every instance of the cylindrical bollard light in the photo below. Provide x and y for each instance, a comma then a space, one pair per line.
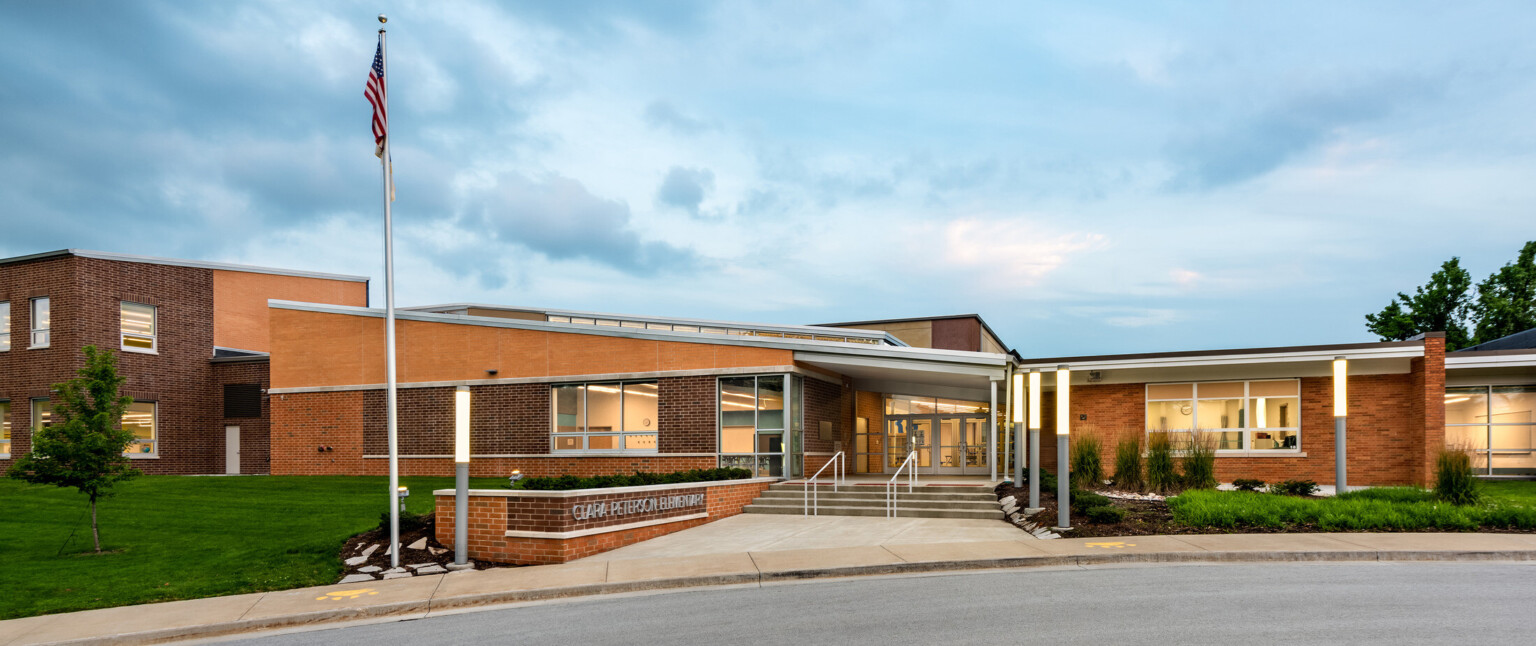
1034, 439
461, 479
1063, 472
1017, 418
1340, 410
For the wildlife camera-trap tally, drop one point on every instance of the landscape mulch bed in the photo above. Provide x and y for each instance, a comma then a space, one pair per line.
380, 536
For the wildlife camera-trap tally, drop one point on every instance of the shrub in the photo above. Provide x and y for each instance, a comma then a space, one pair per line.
1454, 479
409, 522
1082, 501
639, 478
1128, 466
1087, 462
1047, 480
1161, 476
1294, 488
1233, 509
1248, 484
1200, 462
1105, 514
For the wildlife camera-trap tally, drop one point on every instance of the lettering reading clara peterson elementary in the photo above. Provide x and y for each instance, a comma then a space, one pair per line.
638, 506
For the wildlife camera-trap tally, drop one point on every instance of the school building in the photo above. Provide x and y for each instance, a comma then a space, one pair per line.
300, 358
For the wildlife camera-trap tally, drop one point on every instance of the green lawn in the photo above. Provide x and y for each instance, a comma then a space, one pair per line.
177, 537
1506, 505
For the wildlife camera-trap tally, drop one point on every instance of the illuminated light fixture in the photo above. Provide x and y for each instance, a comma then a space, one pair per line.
1456, 400
1259, 419
1018, 398
1034, 400
461, 425
1063, 384
1340, 376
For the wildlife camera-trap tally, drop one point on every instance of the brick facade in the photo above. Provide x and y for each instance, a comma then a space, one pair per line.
686, 414
492, 516
255, 432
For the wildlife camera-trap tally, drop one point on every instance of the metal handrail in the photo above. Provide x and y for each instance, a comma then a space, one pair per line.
890, 491
838, 461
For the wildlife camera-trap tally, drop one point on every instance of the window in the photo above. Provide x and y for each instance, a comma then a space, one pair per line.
1496, 424
617, 416
1233, 415
40, 322
5, 326
752, 424
42, 415
5, 428
138, 327
140, 418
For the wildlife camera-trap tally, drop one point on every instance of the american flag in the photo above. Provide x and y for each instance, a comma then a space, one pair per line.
376, 94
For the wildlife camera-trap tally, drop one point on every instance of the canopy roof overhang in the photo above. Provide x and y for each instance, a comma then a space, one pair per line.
960, 375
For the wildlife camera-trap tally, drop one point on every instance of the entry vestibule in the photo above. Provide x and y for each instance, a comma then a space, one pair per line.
947, 436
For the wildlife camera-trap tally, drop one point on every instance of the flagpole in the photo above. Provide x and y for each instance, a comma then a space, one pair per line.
389, 330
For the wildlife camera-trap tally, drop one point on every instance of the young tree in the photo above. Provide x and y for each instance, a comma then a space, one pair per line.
1440, 305
83, 446
1506, 301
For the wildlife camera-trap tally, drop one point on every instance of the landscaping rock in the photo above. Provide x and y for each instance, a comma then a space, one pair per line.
418, 566
356, 560
1007, 500
420, 544
391, 549
398, 575
396, 570
433, 569
369, 568
369, 551
437, 551
355, 578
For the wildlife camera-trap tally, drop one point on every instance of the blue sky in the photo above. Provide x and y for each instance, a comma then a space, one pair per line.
1091, 179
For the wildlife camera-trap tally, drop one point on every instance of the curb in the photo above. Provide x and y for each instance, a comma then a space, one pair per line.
424, 607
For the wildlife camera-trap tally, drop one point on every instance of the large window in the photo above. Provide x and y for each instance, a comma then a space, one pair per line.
752, 424
5, 326
1496, 425
1233, 415
138, 327
42, 415
41, 322
139, 418
617, 416
5, 428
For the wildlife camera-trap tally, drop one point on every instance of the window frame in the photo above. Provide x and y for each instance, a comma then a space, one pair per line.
7, 428
154, 424
1488, 450
787, 431
46, 332
1245, 426
154, 329
5, 326
621, 436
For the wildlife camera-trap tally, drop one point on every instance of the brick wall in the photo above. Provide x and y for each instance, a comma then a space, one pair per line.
870, 406
490, 517
828, 402
255, 438
26, 374
305, 423
685, 414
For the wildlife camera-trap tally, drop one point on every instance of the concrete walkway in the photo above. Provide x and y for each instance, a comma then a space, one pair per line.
775, 533
423, 596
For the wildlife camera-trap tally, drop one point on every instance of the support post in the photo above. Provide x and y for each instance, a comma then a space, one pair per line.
992, 434
460, 516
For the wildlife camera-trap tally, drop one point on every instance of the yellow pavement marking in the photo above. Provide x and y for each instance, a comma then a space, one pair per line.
1110, 545
343, 595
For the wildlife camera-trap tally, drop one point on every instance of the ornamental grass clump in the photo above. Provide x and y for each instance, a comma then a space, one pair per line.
1199, 468
1161, 475
1128, 466
1455, 482
1087, 462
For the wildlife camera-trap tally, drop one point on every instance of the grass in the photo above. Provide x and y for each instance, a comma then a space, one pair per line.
1509, 505
177, 537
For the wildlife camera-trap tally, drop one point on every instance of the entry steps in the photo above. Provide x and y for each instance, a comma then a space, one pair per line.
925, 501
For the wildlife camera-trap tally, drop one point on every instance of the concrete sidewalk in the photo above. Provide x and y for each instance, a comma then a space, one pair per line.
424, 596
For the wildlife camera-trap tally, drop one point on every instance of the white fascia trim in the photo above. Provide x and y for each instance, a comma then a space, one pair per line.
1453, 362
1398, 352
177, 262
516, 533
578, 493
829, 347
872, 335
563, 455
966, 368
564, 379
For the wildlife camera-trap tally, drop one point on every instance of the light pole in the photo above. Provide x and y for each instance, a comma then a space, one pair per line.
1016, 415
460, 479
1340, 410
1063, 473
1034, 440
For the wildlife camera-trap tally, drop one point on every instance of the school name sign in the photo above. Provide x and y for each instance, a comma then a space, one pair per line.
654, 504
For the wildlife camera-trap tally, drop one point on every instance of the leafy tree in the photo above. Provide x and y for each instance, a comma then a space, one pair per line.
1440, 305
83, 446
1506, 301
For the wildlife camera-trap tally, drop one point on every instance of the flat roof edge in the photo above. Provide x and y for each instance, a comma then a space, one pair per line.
1393, 348
178, 262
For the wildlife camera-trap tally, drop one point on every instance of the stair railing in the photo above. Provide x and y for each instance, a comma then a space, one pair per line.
839, 464
890, 485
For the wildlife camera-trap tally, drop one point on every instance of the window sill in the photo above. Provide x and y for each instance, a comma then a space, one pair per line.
599, 452
1290, 453
143, 456
37, 347
137, 350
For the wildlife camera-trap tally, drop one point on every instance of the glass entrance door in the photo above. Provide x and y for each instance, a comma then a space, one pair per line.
905, 435
962, 445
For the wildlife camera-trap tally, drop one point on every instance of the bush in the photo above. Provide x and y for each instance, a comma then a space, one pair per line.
1454, 479
409, 522
640, 478
1105, 515
1128, 466
1248, 484
1087, 462
1082, 501
1354, 512
1294, 488
1161, 476
1200, 462
1047, 481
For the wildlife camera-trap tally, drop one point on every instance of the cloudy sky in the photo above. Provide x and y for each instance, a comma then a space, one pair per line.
1116, 178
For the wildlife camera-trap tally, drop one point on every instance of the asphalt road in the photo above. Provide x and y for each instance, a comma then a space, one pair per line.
1373, 603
